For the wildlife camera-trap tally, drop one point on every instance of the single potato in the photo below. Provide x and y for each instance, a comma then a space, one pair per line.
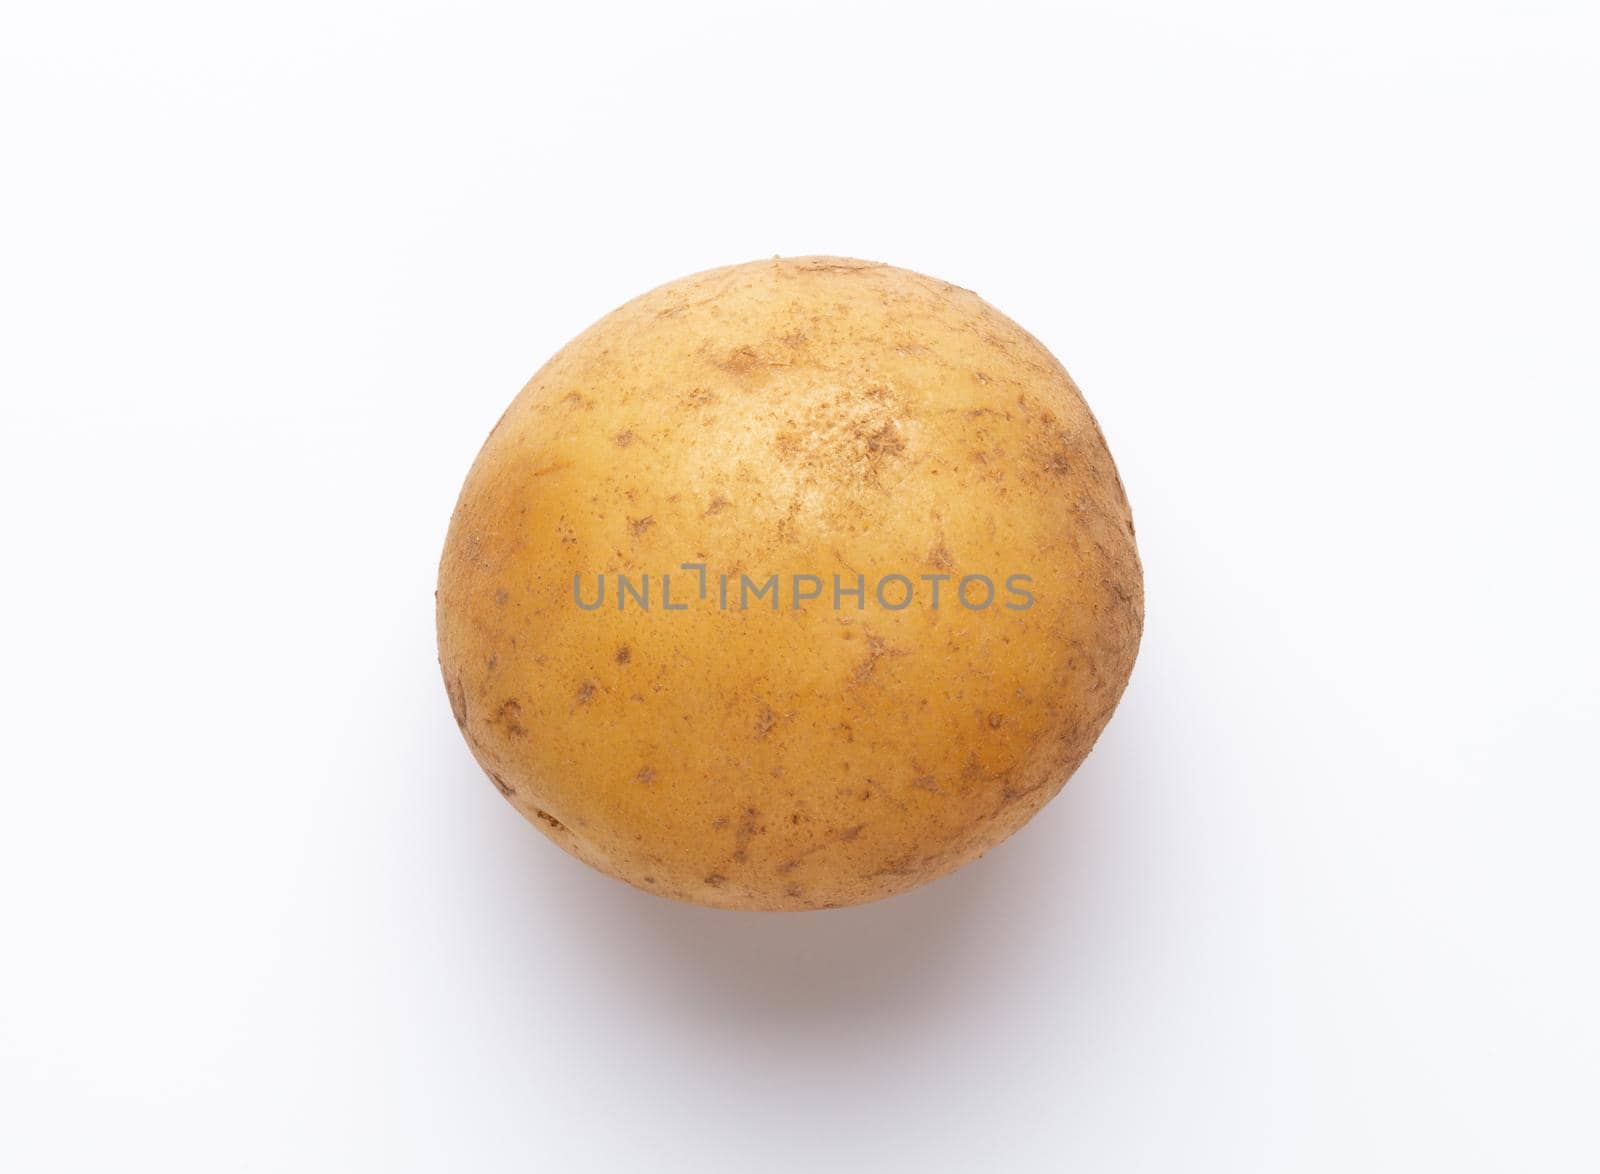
790, 585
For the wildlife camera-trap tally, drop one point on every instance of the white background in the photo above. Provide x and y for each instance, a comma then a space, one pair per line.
1324, 898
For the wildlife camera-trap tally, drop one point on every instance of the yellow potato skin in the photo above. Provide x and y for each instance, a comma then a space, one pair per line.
813, 415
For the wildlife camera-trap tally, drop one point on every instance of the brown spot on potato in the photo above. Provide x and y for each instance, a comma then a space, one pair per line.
833, 264
549, 820
740, 361
639, 525
585, 692
624, 654
877, 649
885, 440
458, 701
509, 716
645, 776
748, 829
839, 837
624, 439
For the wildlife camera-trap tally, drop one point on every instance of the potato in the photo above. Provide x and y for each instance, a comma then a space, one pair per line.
789, 585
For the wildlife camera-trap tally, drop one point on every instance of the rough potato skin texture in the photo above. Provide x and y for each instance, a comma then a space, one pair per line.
812, 415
